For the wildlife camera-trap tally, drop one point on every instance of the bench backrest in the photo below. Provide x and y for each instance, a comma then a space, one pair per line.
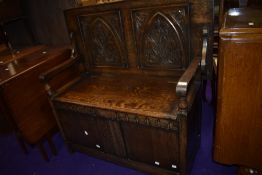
147, 37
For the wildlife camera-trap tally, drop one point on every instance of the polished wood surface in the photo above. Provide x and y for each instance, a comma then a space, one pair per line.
239, 122
141, 95
201, 15
164, 146
23, 95
7, 56
50, 28
245, 20
114, 45
37, 56
133, 94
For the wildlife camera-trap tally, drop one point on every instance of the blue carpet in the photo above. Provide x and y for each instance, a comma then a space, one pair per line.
14, 162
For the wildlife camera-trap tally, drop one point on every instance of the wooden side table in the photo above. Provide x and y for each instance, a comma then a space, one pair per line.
23, 98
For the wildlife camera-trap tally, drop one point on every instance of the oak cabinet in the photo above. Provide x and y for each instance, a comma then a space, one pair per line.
239, 122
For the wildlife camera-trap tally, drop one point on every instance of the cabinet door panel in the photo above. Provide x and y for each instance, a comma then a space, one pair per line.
79, 129
154, 146
92, 131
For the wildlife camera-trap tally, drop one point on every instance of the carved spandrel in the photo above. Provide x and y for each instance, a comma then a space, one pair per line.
180, 17
105, 49
161, 45
160, 37
104, 39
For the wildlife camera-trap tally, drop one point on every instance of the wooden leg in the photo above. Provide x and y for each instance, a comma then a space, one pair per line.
52, 146
22, 143
42, 151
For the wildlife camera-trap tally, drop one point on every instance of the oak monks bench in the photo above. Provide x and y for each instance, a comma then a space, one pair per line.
130, 92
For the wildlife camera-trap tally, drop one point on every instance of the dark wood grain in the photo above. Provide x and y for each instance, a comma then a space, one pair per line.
238, 124
123, 105
17, 67
153, 146
201, 15
92, 132
140, 95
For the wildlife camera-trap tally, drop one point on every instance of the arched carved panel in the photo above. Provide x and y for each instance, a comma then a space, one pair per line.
161, 37
105, 47
104, 39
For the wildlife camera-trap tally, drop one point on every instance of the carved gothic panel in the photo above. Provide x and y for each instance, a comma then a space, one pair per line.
161, 37
103, 38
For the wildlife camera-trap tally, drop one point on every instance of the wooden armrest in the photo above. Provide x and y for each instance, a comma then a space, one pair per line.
51, 73
55, 73
60, 77
186, 78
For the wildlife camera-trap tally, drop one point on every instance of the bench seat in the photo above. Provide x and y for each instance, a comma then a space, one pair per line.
153, 96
